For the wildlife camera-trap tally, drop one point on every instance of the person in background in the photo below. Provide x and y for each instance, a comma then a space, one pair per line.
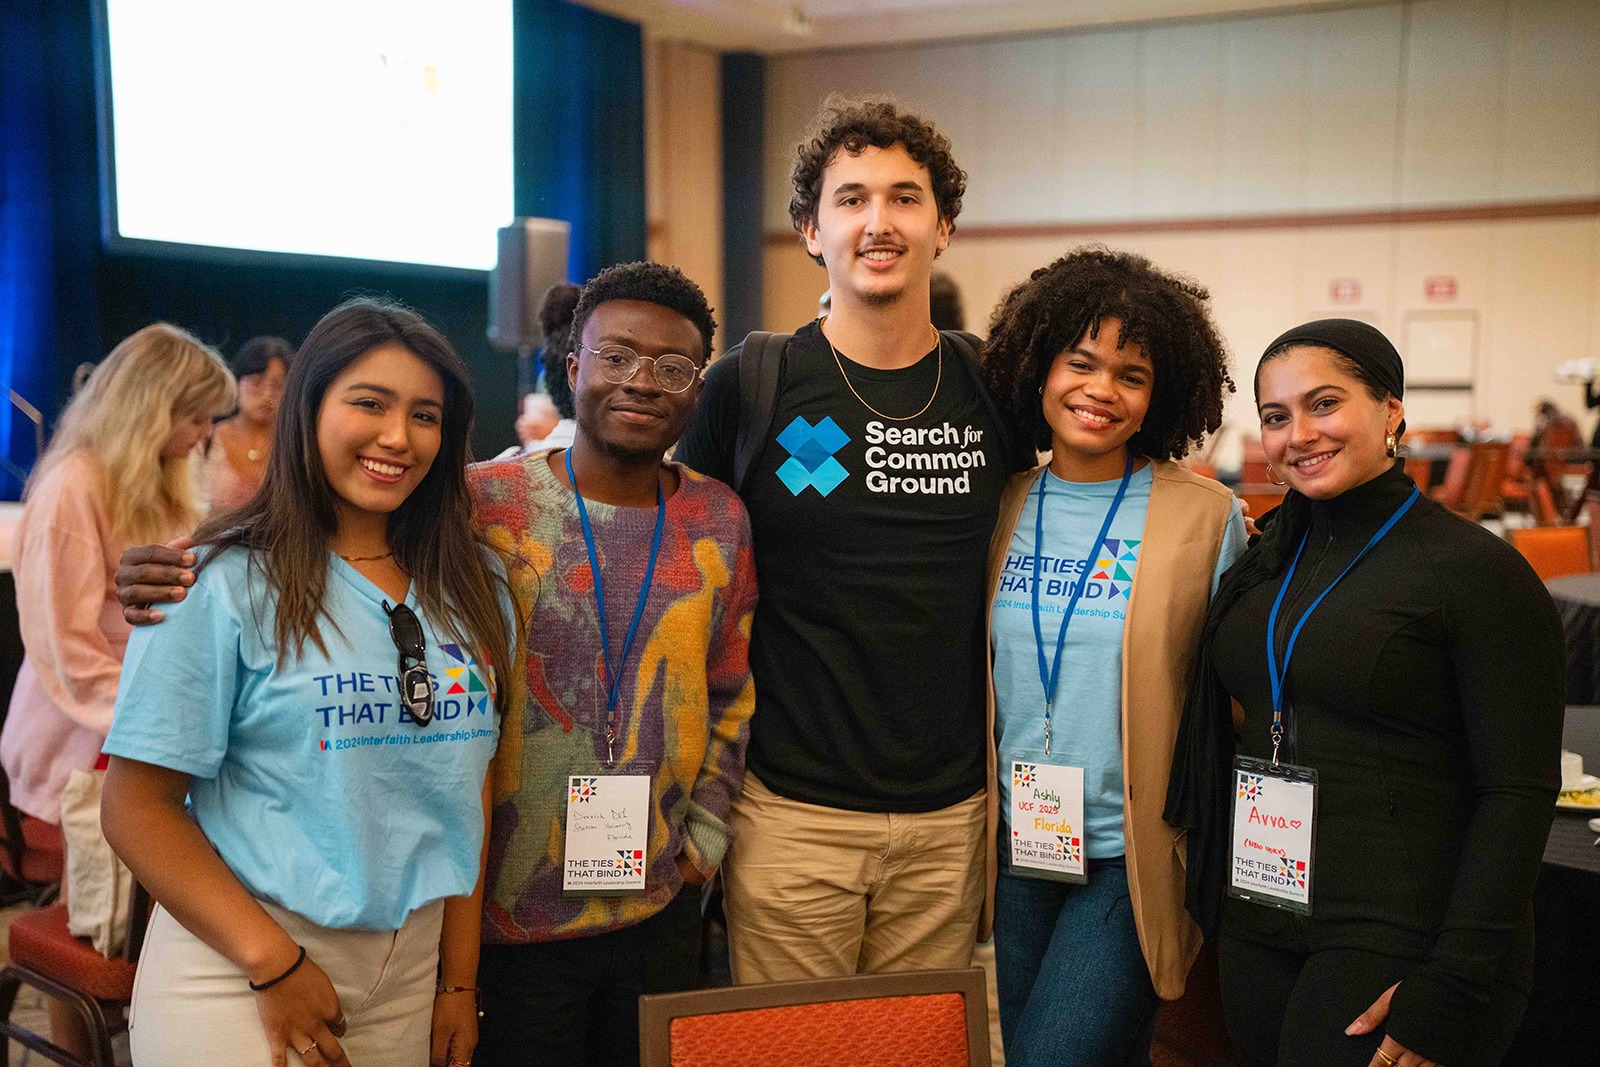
1100, 570
1399, 671
120, 470
299, 755
555, 316
944, 302
237, 459
1553, 431
604, 532
547, 418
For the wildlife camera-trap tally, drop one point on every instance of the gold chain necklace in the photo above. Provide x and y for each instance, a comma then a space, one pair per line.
364, 559
938, 377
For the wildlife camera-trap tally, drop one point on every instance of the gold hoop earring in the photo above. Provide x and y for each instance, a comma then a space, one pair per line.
1270, 478
1391, 444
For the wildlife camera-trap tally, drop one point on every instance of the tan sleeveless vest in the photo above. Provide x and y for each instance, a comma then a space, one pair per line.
1182, 537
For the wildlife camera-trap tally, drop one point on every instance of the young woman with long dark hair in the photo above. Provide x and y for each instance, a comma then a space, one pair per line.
325, 697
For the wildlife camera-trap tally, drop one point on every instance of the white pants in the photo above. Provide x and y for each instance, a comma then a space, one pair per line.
192, 1008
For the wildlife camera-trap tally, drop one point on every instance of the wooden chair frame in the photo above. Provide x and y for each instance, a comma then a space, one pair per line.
93, 1012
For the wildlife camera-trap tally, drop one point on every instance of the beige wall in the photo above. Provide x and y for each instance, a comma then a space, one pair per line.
683, 162
1366, 133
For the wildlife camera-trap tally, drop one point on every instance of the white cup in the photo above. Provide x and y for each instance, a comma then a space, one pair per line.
1571, 770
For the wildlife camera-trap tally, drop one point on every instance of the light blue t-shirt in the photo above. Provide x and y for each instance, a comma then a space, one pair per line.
1087, 715
318, 789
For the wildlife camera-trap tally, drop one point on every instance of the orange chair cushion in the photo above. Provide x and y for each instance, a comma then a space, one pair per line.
914, 1031
40, 941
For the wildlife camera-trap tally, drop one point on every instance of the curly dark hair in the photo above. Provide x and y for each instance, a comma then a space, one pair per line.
1163, 313
654, 283
877, 122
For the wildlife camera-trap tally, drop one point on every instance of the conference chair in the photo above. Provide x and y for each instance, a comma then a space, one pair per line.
1554, 550
922, 1018
45, 956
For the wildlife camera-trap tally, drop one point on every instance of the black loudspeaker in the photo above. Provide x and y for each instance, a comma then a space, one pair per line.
532, 257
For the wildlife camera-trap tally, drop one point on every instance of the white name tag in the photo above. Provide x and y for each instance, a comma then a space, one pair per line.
1046, 818
1274, 814
608, 827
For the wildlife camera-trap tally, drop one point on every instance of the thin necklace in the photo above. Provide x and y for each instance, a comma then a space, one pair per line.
364, 559
938, 377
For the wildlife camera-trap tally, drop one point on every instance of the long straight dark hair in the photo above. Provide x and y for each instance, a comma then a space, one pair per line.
289, 524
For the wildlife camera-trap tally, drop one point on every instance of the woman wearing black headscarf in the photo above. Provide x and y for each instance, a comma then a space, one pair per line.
1414, 676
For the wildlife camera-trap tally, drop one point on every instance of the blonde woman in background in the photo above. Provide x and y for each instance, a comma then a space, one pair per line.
120, 471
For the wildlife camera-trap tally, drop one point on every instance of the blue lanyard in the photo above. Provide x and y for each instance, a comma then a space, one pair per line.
1279, 677
1048, 675
614, 678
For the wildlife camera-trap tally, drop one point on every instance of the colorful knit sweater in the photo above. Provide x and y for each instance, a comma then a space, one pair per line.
686, 696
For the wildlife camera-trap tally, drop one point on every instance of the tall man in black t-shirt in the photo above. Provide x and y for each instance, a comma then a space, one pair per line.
860, 837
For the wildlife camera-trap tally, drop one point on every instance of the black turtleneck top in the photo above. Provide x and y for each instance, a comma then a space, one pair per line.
1427, 691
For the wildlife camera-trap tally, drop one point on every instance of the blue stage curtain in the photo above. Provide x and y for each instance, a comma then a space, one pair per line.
26, 290
579, 141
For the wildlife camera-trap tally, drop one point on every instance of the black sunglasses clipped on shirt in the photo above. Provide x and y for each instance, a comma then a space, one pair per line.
416, 687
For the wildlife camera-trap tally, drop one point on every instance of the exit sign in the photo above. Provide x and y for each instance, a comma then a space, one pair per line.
1440, 287
1344, 290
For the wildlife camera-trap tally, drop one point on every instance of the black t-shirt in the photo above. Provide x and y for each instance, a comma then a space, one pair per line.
868, 648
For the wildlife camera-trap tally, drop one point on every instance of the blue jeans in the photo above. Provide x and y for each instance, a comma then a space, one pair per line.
1073, 984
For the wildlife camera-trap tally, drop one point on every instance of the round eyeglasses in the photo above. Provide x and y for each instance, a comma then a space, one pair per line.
618, 363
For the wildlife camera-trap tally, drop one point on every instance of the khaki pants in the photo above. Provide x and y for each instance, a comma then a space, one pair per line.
192, 1008
817, 892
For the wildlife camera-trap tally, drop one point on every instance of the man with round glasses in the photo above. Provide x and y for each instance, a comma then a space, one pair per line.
639, 584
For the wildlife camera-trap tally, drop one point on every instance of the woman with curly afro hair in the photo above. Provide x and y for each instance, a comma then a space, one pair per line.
1100, 570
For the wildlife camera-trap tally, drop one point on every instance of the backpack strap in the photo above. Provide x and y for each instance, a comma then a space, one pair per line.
968, 345
763, 358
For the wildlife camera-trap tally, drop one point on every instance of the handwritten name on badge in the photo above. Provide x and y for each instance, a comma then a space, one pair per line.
608, 824
1046, 820
1272, 838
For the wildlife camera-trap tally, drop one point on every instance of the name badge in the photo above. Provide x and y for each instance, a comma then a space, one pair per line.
608, 827
1046, 819
1274, 813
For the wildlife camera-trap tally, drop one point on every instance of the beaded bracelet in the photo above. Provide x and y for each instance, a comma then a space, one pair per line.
293, 967
441, 989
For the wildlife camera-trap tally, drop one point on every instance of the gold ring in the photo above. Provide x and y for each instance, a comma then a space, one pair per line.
308, 1048
1388, 1060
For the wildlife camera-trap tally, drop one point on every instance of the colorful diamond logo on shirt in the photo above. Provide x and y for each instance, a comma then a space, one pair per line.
1023, 774
584, 789
465, 674
1117, 562
811, 459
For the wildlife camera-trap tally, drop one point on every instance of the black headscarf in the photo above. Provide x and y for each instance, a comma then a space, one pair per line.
1198, 793
1362, 342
